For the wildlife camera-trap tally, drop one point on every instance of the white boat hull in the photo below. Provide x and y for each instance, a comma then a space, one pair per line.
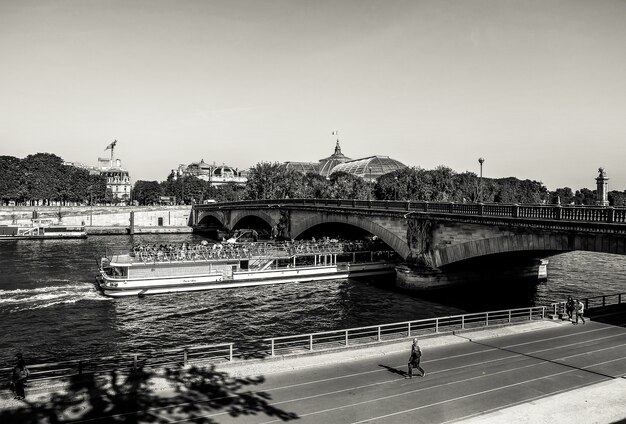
139, 287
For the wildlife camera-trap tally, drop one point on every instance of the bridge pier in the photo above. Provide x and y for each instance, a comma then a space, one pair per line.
520, 270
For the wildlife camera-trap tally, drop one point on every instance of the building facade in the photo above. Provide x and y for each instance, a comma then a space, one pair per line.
118, 180
369, 168
216, 175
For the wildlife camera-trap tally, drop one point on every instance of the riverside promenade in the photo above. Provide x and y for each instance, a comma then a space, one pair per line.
547, 371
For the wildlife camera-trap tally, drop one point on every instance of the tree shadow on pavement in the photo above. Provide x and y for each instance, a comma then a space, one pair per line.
198, 394
612, 315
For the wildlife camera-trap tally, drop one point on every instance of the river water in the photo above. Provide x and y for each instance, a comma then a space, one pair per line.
51, 311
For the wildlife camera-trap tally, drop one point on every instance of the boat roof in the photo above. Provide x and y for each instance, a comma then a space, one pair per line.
205, 253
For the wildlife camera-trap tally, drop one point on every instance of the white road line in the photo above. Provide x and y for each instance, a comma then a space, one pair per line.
567, 389
448, 384
461, 397
446, 358
291, 386
447, 400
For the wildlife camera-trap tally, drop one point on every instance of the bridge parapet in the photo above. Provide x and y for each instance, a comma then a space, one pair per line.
438, 234
546, 212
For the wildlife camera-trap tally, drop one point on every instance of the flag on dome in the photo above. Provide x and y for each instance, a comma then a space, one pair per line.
112, 145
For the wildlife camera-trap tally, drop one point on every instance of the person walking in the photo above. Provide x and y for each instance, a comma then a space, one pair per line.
19, 377
415, 358
569, 307
580, 309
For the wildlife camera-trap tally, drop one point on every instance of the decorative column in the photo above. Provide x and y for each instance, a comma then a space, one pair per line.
603, 188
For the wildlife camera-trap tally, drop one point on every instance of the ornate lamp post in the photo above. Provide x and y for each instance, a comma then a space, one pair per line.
395, 188
480, 184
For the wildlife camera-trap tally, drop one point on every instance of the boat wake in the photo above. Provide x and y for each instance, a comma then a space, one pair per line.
15, 300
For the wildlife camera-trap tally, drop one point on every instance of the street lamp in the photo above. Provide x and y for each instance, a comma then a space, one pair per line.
480, 184
395, 188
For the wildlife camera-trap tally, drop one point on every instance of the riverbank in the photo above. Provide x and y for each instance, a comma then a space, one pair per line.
44, 390
99, 216
520, 373
117, 230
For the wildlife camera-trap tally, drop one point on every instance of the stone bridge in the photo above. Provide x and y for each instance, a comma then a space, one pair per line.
435, 235
439, 233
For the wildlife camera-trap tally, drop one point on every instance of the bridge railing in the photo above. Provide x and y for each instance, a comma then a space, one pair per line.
325, 340
580, 213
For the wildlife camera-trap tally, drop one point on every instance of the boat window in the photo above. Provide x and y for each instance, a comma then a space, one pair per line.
119, 271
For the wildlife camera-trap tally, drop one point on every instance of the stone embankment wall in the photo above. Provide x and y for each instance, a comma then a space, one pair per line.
100, 216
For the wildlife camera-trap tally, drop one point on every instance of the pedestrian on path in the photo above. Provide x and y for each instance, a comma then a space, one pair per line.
414, 359
569, 307
580, 309
19, 377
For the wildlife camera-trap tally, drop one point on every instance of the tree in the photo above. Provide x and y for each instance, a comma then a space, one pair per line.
147, 192
442, 184
617, 198
273, 181
584, 196
315, 186
465, 187
96, 190
226, 192
10, 176
347, 186
386, 187
43, 171
195, 189
564, 196
108, 196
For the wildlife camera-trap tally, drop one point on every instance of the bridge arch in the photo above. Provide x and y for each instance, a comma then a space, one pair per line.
510, 243
237, 216
396, 243
205, 217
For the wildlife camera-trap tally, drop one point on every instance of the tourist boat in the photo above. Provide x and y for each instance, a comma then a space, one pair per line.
164, 269
41, 230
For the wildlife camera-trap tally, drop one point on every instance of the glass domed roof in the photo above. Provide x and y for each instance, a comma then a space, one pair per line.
302, 167
327, 164
224, 171
369, 168
199, 167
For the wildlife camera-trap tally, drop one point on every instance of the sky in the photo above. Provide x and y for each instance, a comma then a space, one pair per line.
536, 88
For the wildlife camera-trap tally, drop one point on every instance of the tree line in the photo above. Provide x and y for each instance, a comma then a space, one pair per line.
42, 178
267, 180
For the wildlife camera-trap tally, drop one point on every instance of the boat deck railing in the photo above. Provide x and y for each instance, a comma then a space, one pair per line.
252, 250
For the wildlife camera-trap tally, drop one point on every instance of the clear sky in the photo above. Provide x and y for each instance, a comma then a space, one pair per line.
537, 88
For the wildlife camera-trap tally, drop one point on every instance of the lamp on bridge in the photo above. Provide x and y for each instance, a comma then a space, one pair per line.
480, 183
369, 185
395, 188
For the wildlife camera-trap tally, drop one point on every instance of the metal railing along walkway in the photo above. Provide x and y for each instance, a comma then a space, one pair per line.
326, 340
558, 308
131, 361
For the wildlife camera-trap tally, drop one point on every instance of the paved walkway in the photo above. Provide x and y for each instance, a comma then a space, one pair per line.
540, 372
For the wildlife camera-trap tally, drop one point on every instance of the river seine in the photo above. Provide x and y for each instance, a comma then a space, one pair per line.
51, 311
